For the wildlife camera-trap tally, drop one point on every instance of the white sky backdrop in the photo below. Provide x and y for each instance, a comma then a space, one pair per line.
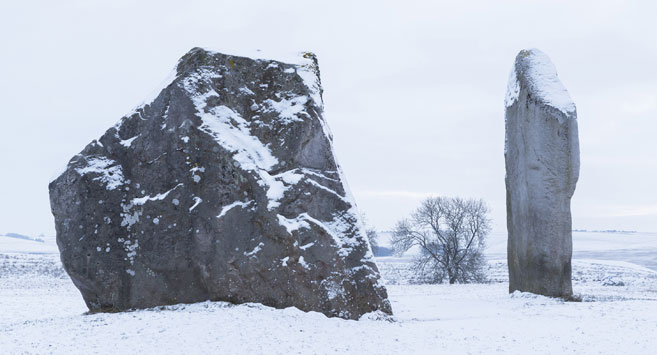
414, 91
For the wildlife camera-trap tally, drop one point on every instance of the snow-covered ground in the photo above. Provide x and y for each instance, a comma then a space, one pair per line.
42, 312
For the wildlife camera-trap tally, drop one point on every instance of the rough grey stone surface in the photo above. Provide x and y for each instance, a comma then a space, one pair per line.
223, 187
542, 168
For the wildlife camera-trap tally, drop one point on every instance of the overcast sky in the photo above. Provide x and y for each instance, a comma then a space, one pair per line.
413, 91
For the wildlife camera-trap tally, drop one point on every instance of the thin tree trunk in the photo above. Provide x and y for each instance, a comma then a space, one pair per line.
452, 276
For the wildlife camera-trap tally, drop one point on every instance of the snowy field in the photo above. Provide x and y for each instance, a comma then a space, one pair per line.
42, 312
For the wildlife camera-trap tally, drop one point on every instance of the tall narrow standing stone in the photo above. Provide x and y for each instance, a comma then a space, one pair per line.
542, 166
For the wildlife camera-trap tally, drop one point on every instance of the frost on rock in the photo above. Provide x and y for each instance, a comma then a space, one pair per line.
512, 88
128, 142
227, 182
197, 201
105, 170
289, 110
227, 208
158, 197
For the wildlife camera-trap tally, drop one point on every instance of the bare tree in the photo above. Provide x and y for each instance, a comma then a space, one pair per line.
371, 233
451, 235
373, 236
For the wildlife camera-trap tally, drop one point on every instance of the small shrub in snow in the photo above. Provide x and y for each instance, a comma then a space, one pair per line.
612, 281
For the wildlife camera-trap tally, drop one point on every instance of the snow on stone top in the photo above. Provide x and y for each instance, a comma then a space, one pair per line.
289, 57
304, 61
541, 77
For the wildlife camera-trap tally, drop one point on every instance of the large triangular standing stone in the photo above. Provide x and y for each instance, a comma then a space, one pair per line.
224, 187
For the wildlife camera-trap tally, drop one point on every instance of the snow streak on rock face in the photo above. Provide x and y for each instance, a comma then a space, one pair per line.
542, 168
224, 187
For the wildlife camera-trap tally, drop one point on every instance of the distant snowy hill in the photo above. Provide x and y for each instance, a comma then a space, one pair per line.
635, 247
18, 243
21, 236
